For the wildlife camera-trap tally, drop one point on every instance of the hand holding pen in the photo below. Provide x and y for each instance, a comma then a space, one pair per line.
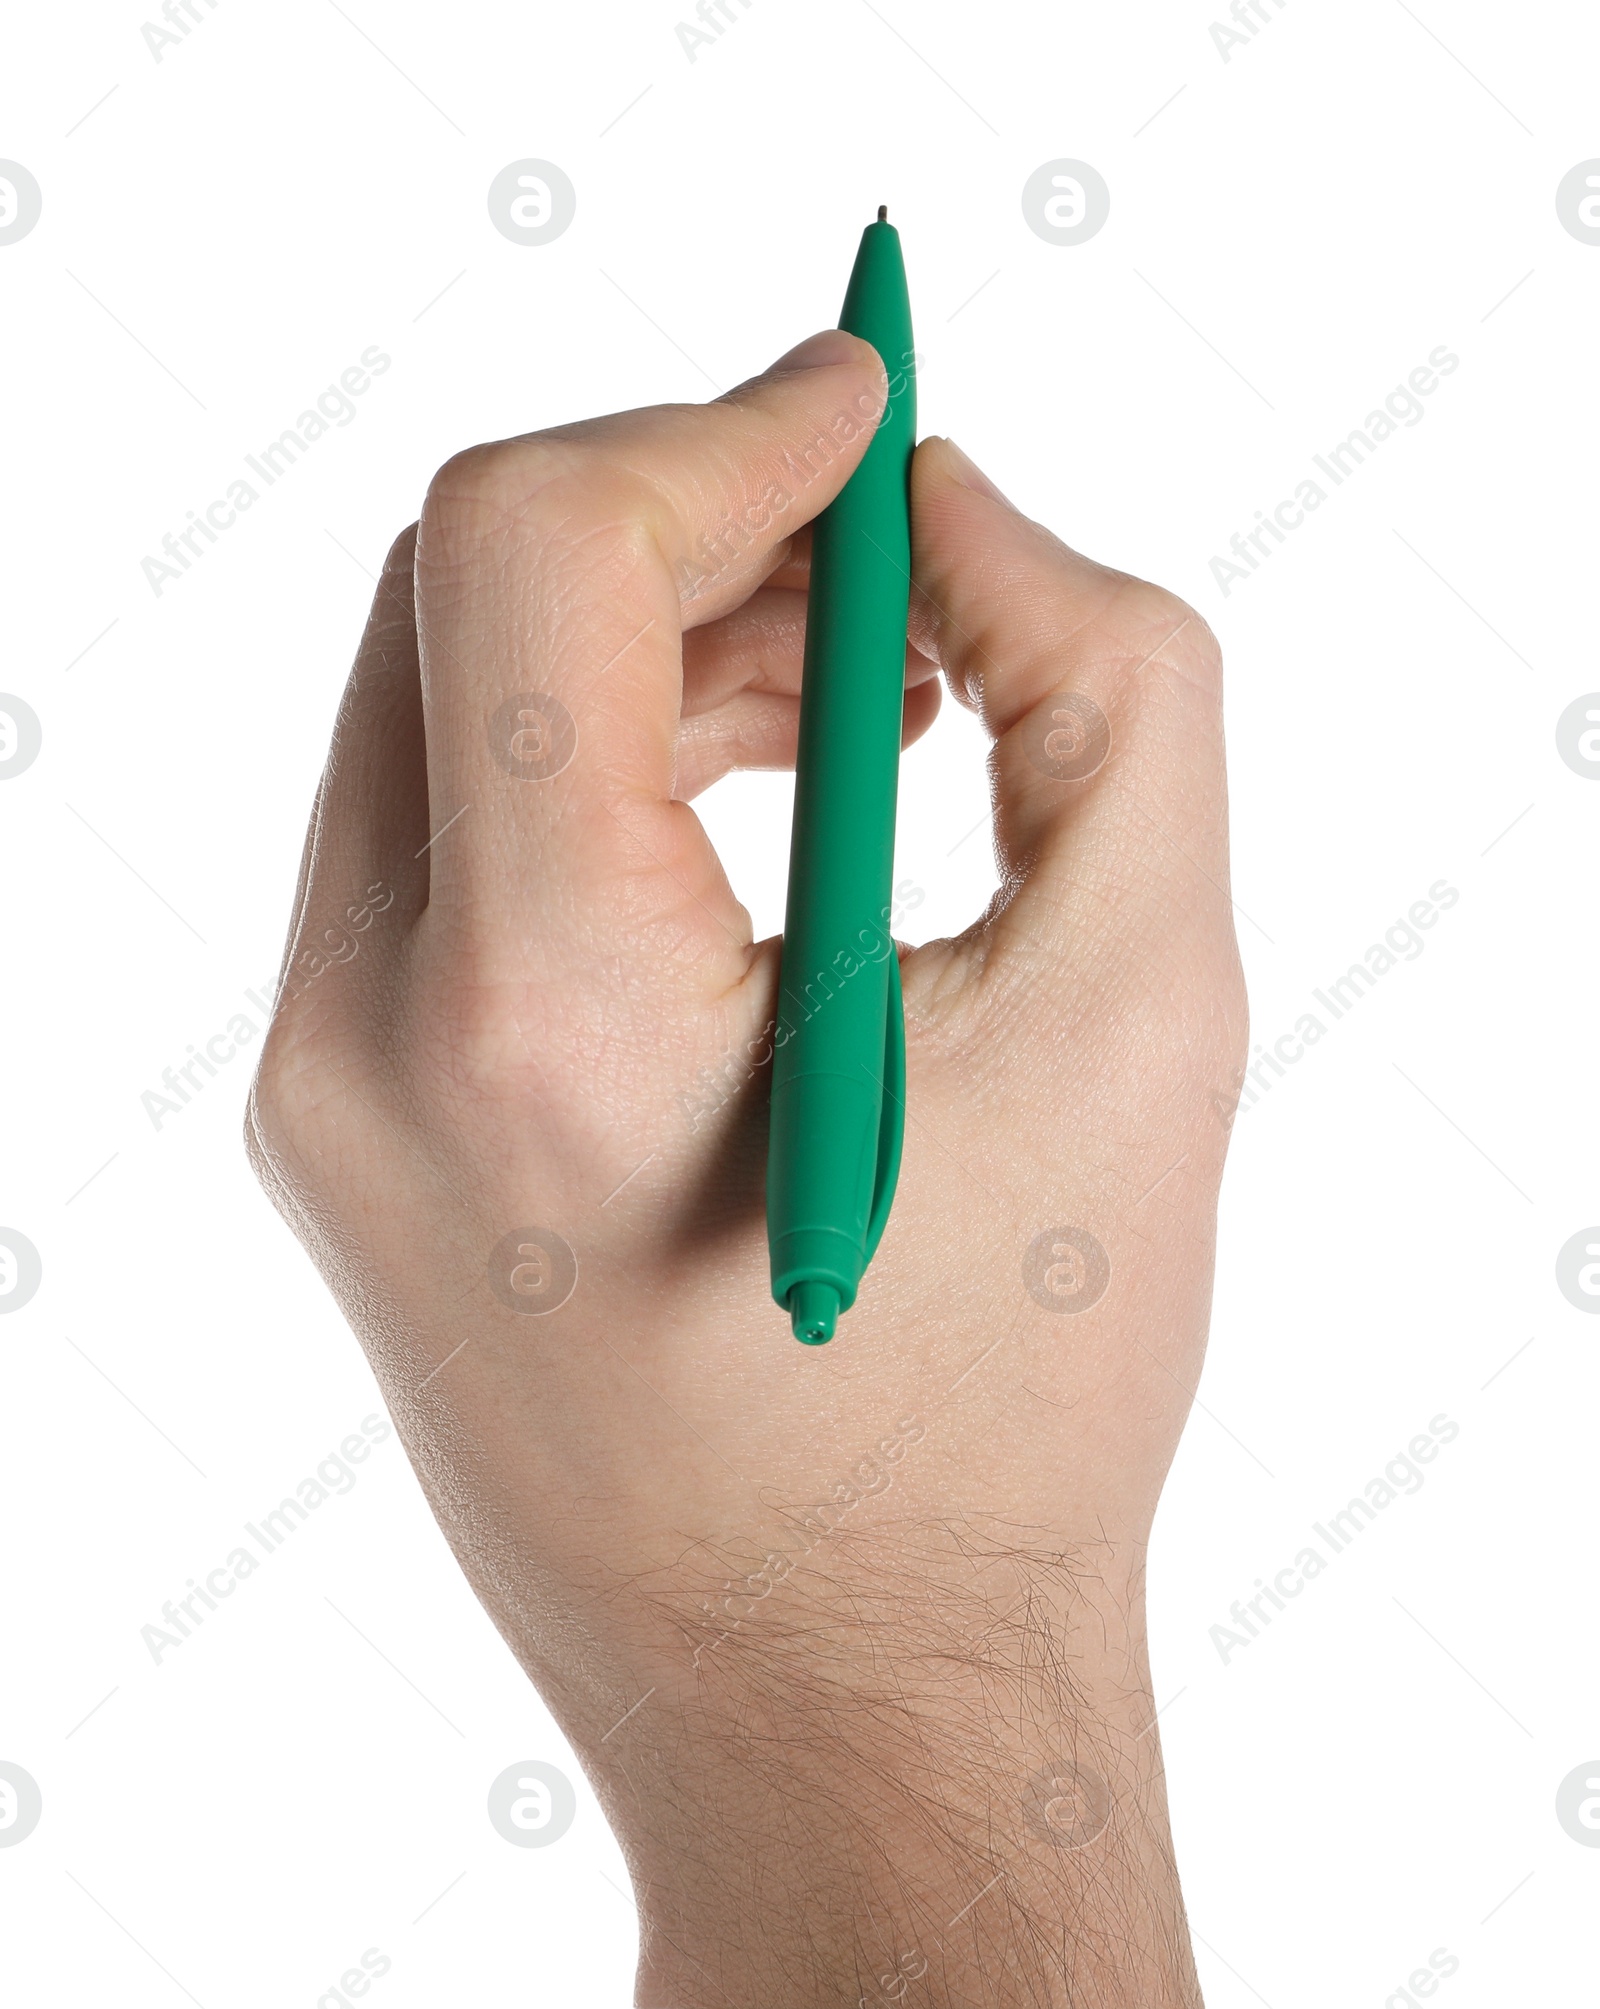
840, 1634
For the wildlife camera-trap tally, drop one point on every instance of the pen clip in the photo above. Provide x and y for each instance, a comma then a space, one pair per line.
892, 1117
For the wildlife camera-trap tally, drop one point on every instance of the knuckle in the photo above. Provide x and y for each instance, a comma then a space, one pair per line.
277, 1092
296, 1080
481, 1049
264, 1136
545, 499
478, 493
1164, 631
1154, 613
271, 1116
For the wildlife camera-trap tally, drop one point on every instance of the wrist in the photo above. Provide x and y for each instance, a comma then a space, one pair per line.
930, 1775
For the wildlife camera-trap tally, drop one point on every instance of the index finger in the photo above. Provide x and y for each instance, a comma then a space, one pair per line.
555, 575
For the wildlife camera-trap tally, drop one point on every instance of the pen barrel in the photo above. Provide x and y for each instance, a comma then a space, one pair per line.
835, 995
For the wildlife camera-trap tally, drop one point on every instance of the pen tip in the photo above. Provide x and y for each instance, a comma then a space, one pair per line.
883, 212
813, 1312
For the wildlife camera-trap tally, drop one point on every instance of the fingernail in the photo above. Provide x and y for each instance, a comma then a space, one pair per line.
970, 475
831, 345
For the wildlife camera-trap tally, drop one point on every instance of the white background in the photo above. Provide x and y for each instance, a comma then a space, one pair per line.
1292, 232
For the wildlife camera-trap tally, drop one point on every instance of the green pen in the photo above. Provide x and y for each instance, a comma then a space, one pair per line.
838, 1070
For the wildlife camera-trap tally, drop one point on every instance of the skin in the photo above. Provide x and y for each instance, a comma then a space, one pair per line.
850, 1640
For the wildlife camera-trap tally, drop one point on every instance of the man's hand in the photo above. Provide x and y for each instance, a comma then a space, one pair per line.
849, 1639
